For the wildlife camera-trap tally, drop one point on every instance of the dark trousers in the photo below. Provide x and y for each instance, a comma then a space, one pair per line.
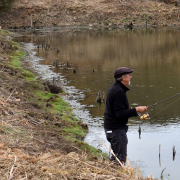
119, 141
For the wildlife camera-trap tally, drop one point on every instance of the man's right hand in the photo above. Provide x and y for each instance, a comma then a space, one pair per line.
141, 109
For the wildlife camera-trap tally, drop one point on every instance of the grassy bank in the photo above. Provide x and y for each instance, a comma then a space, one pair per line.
40, 136
73, 129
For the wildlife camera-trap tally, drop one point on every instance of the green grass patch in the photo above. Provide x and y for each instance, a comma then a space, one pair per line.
76, 131
15, 62
14, 44
43, 95
28, 75
5, 33
35, 85
92, 150
69, 117
59, 105
87, 148
106, 23
70, 138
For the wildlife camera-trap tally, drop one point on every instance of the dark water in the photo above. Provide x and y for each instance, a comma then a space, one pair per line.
93, 56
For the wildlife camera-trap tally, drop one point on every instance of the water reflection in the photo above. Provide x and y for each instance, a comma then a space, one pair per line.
94, 55
153, 56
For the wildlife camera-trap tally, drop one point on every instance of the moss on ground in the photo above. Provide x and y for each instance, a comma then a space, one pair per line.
4, 33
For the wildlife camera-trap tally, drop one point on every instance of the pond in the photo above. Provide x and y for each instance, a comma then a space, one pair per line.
86, 61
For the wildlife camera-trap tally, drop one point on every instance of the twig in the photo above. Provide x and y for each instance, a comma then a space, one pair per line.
61, 148
25, 173
76, 148
64, 177
2, 70
11, 172
32, 121
23, 178
10, 94
124, 167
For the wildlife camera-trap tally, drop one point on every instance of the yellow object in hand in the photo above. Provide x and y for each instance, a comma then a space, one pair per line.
144, 116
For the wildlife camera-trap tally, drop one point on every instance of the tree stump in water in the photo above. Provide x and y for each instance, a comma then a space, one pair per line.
98, 97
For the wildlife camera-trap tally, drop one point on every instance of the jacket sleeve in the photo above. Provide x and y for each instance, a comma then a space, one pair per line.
120, 106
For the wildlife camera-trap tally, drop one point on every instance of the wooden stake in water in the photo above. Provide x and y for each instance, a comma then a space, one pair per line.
53, 80
159, 155
31, 21
174, 153
59, 81
139, 131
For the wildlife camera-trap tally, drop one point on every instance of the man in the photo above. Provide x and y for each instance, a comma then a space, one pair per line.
117, 113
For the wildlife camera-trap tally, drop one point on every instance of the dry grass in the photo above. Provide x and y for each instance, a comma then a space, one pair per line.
116, 13
17, 164
22, 155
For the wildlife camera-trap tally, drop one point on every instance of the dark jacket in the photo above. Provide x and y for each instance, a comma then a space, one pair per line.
117, 107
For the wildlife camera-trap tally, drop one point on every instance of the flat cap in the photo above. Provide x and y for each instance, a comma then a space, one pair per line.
121, 71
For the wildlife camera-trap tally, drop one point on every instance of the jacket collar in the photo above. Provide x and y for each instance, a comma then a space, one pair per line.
122, 86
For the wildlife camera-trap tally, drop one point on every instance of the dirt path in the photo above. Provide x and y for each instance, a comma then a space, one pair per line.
98, 13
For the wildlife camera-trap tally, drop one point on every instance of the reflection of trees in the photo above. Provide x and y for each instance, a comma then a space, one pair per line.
119, 46
153, 55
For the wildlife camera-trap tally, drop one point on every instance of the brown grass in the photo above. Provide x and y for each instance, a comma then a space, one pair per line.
116, 13
17, 164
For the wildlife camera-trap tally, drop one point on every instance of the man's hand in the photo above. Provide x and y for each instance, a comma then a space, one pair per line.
141, 109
